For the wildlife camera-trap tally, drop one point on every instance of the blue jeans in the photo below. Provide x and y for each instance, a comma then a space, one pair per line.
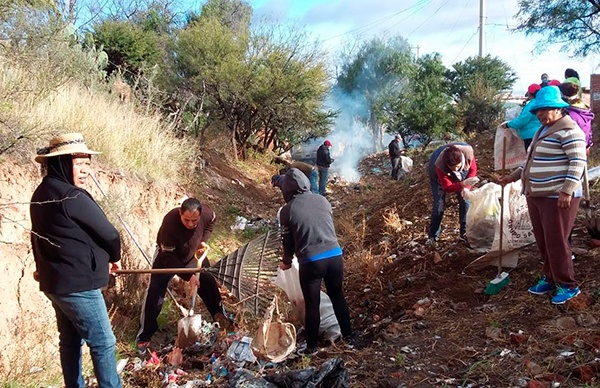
82, 316
439, 203
323, 175
314, 184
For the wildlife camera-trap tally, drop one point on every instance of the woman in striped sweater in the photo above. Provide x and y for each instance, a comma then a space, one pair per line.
551, 178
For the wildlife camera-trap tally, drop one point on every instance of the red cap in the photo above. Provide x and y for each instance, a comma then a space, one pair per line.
327, 143
533, 88
554, 82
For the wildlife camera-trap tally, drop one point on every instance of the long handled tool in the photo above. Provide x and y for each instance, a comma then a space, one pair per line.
501, 280
137, 244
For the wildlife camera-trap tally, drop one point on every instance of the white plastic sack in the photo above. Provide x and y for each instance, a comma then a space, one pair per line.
515, 149
482, 215
483, 218
406, 163
513, 113
289, 282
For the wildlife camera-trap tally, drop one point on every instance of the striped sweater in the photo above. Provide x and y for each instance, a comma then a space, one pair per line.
555, 161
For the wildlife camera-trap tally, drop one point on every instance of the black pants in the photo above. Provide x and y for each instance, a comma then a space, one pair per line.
526, 143
155, 296
311, 275
395, 167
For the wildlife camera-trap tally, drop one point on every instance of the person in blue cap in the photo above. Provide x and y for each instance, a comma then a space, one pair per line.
551, 178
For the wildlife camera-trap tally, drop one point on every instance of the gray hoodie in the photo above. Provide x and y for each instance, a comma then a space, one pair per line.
306, 220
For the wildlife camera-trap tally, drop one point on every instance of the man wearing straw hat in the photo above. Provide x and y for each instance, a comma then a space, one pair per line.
75, 247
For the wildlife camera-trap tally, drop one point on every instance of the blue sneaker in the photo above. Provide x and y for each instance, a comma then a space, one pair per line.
543, 287
563, 294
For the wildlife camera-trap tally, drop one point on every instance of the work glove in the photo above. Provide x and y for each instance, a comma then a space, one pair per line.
470, 181
467, 194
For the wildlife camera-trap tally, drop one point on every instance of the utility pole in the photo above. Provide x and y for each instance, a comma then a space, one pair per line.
418, 48
481, 28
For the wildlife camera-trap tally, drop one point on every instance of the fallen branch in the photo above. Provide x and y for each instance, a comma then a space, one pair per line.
32, 232
37, 203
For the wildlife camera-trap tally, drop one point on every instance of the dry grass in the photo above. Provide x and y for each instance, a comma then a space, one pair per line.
135, 143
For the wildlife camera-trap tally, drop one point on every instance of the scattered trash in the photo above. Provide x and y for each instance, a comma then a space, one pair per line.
241, 352
505, 352
122, 364
154, 360
36, 369
175, 358
239, 224
566, 354
377, 170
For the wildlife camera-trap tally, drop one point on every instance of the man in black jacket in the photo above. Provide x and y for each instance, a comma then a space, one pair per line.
75, 247
308, 232
324, 161
394, 148
181, 239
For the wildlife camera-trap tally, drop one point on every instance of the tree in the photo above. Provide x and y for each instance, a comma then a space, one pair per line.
477, 84
377, 71
267, 86
575, 24
128, 45
424, 106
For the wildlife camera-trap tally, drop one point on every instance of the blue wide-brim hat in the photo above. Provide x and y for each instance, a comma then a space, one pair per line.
548, 97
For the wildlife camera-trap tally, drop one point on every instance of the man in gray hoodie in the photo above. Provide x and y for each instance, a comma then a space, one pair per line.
309, 233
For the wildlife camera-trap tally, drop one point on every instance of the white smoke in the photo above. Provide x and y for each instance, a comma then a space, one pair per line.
350, 137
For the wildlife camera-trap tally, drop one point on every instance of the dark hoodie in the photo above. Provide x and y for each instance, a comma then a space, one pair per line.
583, 117
306, 220
72, 239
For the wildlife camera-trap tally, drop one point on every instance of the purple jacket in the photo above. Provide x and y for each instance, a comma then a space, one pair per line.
583, 118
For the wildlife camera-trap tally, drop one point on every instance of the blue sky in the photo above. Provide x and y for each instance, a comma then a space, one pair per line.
445, 26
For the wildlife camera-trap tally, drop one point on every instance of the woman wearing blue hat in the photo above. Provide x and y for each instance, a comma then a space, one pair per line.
551, 178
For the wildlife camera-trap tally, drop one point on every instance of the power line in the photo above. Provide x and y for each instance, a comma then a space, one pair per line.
456, 22
377, 22
429, 18
461, 50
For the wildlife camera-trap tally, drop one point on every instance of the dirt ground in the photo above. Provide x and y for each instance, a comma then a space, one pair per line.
462, 337
421, 320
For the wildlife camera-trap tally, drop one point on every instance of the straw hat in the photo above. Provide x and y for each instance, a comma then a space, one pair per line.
66, 144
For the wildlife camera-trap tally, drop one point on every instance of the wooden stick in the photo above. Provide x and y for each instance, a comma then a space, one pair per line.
158, 270
502, 207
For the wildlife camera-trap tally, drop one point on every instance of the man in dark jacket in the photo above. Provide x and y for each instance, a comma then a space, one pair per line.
308, 232
394, 150
75, 247
181, 239
324, 161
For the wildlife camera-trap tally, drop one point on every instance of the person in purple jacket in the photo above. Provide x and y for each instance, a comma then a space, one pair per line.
578, 110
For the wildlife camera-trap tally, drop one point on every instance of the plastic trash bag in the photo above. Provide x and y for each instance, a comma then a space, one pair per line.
289, 282
331, 374
482, 215
241, 351
406, 163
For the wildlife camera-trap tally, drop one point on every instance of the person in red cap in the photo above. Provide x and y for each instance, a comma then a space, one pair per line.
527, 123
324, 161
